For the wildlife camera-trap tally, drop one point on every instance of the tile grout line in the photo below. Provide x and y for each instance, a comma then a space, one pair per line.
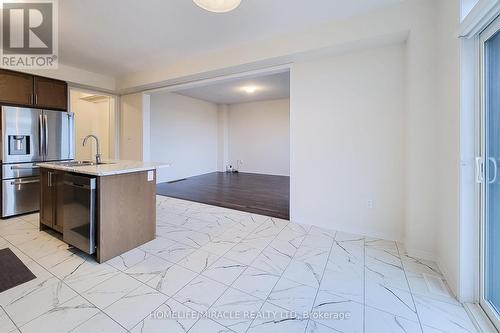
409, 288
170, 262
78, 293
281, 276
82, 296
230, 286
196, 276
141, 282
118, 271
15, 325
172, 297
100, 311
53, 276
201, 274
322, 276
247, 266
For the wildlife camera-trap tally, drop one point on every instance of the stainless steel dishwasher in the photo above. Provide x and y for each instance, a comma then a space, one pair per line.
79, 212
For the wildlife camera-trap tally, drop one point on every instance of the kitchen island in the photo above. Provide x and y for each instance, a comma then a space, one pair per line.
103, 209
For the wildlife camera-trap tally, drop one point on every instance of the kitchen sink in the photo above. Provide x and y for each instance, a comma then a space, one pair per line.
81, 163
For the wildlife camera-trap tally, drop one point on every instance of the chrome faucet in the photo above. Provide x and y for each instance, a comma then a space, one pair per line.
98, 155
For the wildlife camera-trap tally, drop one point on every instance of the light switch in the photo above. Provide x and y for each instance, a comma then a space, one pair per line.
151, 175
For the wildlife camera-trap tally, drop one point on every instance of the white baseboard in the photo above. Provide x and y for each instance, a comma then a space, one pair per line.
479, 318
362, 231
450, 278
421, 254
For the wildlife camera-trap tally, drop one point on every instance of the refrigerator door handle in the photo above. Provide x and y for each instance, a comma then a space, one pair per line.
71, 124
22, 182
40, 136
46, 135
16, 167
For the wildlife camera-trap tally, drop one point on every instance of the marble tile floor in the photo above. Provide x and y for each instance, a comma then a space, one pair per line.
249, 273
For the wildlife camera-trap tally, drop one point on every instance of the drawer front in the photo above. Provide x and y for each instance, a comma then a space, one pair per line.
20, 195
19, 170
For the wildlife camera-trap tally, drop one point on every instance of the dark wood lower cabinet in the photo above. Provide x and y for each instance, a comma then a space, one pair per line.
126, 213
51, 199
125, 209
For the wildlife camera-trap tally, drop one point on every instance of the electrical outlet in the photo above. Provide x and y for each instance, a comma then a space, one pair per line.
151, 175
369, 204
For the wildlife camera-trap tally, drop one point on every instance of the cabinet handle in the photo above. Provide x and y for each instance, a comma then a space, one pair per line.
50, 179
36, 98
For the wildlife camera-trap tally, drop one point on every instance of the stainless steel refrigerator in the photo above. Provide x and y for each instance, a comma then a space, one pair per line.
29, 136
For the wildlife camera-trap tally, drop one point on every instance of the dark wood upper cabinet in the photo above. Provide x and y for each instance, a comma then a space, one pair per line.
16, 88
50, 94
32, 91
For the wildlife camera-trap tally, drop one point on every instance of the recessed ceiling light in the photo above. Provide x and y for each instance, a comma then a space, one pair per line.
218, 6
249, 89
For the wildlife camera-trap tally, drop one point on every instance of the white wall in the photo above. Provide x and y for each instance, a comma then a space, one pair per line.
368, 28
184, 133
90, 118
134, 127
418, 207
412, 21
448, 118
78, 77
222, 138
347, 142
421, 134
259, 136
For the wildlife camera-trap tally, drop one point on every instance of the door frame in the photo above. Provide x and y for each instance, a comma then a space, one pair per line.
485, 35
218, 78
114, 118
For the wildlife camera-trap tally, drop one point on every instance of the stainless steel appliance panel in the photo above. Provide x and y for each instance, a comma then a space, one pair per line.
30, 135
21, 135
19, 170
79, 212
58, 135
20, 195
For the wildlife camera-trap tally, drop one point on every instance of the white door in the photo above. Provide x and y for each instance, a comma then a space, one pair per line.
490, 185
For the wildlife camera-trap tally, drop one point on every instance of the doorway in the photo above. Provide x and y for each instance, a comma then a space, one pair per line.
95, 113
228, 142
490, 180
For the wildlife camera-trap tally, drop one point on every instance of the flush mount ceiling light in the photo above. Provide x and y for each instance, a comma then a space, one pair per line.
218, 6
249, 89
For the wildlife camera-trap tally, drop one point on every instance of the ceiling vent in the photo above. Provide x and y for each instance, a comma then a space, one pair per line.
94, 98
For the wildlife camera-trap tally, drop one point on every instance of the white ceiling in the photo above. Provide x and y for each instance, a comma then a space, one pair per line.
268, 87
118, 37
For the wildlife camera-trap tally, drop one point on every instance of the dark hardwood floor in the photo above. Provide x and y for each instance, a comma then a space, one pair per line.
255, 193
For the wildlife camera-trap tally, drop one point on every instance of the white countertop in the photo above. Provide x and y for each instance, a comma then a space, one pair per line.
114, 167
